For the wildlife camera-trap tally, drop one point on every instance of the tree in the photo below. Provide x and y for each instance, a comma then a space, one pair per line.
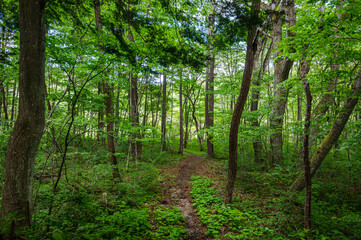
241, 100
282, 67
259, 70
305, 68
29, 125
209, 98
164, 113
108, 102
181, 113
333, 135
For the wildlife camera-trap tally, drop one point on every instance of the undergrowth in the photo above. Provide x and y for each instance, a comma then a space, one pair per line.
225, 222
89, 204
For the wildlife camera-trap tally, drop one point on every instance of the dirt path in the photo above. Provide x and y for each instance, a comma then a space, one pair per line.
179, 194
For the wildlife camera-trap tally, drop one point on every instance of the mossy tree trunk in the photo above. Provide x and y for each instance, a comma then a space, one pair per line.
333, 135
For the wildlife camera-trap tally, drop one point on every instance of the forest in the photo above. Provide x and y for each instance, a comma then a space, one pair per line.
180, 119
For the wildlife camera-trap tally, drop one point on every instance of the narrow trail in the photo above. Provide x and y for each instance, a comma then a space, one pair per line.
179, 194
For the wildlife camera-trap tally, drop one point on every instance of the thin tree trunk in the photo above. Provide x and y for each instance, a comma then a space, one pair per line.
3, 95
324, 104
257, 144
186, 119
241, 100
333, 135
110, 131
117, 111
180, 114
164, 113
13, 102
299, 119
209, 98
135, 144
108, 103
28, 129
305, 68
193, 103
145, 114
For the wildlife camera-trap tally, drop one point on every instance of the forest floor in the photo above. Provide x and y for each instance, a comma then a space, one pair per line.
177, 193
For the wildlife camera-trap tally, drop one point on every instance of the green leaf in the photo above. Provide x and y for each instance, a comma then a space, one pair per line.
58, 234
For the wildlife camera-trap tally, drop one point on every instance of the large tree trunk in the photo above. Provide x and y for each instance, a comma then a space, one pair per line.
108, 104
333, 135
241, 100
281, 73
28, 130
164, 113
209, 98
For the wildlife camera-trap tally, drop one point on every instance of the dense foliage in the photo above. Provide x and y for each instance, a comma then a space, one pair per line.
105, 78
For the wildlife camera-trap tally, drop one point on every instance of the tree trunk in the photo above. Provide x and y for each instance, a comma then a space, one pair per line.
281, 73
209, 98
305, 68
180, 115
258, 73
193, 103
333, 135
241, 100
299, 119
135, 144
186, 119
28, 130
108, 103
3, 96
324, 104
164, 113
110, 131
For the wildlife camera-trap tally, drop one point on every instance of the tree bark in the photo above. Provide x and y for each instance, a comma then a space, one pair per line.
108, 103
3, 97
324, 104
135, 144
333, 135
281, 73
110, 131
193, 103
180, 115
255, 94
164, 113
241, 100
305, 68
209, 98
186, 121
28, 130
